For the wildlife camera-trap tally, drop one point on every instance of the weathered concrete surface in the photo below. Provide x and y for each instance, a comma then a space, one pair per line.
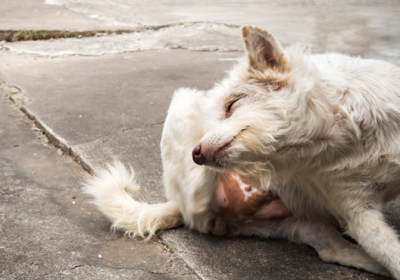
114, 106
214, 257
365, 28
195, 37
112, 101
117, 105
47, 228
86, 98
35, 15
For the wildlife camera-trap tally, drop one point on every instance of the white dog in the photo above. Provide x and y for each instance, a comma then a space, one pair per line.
320, 133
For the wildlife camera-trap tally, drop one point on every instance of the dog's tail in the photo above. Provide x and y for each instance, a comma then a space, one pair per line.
110, 188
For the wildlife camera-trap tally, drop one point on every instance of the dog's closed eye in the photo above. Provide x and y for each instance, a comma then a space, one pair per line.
231, 105
230, 108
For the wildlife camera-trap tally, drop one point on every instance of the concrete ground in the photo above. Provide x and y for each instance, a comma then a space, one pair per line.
72, 105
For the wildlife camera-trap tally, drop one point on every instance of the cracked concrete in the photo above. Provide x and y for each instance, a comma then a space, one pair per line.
106, 97
95, 133
194, 37
49, 231
368, 29
351, 27
33, 35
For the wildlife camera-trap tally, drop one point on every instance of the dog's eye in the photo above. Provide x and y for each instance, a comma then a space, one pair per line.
230, 108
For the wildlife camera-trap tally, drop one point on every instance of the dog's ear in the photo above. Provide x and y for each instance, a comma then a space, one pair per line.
263, 49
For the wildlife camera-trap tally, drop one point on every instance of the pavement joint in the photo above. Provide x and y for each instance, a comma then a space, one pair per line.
56, 140
213, 37
60, 143
35, 35
16, 96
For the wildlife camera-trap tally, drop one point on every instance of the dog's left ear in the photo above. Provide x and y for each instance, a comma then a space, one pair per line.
263, 49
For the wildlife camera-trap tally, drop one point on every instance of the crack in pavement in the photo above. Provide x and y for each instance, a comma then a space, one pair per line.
10, 92
195, 36
58, 142
77, 266
15, 95
34, 35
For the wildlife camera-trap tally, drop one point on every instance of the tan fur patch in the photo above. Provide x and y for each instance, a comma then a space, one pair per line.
264, 51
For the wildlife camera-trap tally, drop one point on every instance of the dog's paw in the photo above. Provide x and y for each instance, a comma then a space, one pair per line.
218, 226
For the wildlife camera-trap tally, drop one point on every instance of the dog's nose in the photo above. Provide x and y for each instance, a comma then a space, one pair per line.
197, 156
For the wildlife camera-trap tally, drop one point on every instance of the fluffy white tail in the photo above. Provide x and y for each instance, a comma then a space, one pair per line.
110, 188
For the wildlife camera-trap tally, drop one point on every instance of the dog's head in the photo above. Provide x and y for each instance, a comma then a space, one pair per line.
250, 114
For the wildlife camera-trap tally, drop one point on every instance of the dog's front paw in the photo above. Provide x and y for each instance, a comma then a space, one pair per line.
218, 226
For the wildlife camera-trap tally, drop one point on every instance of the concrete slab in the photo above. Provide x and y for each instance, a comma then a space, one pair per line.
142, 153
36, 15
223, 258
99, 98
369, 29
47, 228
195, 37
85, 98
113, 106
366, 28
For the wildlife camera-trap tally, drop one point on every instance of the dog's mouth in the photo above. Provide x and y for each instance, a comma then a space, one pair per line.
219, 157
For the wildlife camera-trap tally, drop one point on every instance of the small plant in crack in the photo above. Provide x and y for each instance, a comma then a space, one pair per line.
64, 33
42, 35
172, 245
30, 34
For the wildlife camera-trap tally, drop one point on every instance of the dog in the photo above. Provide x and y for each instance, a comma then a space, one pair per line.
326, 125
290, 145
211, 201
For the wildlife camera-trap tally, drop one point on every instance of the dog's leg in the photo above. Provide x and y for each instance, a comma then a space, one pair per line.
376, 237
333, 248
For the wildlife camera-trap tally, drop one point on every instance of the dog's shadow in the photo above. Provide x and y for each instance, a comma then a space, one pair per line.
392, 214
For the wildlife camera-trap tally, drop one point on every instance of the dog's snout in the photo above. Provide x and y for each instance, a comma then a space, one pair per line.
197, 156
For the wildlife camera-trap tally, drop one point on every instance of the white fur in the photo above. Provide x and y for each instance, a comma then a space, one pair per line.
330, 130
321, 131
190, 190
110, 188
